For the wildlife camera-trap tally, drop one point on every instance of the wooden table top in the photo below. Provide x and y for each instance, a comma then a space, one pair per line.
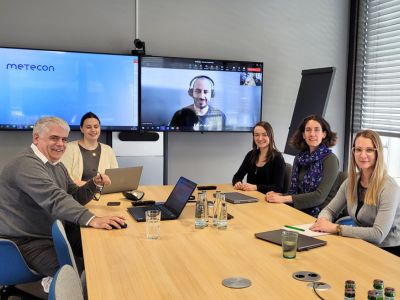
189, 263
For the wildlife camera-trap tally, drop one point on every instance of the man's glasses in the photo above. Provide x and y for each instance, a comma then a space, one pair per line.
359, 150
97, 193
99, 189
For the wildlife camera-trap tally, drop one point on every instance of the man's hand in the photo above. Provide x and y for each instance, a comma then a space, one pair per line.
102, 179
106, 222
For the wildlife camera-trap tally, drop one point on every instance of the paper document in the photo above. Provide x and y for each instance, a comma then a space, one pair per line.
306, 229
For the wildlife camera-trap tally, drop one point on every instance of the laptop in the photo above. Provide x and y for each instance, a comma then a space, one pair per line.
239, 198
303, 242
173, 207
122, 179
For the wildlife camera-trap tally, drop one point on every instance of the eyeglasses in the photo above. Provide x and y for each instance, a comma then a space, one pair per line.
99, 189
97, 193
368, 151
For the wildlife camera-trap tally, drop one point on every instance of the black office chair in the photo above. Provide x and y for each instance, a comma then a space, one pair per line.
286, 179
342, 175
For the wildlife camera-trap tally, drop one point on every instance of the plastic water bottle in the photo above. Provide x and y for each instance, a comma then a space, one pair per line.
205, 204
223, 214
216, 207
199, 217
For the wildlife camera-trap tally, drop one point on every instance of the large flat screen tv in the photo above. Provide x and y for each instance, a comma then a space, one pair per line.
36, 83
195, 94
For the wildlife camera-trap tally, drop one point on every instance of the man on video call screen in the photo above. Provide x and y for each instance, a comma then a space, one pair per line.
186, 94
200, 115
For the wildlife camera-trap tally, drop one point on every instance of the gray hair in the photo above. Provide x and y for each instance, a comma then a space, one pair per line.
44, 122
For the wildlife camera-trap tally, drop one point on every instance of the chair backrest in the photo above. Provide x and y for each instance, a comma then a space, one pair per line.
65, 256
336, 185
347, 220
66, 285
286, 179
13, 268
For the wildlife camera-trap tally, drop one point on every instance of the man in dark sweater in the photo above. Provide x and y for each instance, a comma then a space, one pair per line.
35, 190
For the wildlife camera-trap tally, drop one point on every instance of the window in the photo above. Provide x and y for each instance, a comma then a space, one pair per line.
377, 80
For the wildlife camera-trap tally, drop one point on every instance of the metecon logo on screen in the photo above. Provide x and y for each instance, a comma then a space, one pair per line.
30, 67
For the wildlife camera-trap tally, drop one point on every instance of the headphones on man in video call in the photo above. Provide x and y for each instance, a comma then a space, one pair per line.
190, 90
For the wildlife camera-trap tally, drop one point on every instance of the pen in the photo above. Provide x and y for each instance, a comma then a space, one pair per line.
295, 228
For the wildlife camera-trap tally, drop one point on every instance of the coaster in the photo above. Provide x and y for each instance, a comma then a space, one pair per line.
236, 282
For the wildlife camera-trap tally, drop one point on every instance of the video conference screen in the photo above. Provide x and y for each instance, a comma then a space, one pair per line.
188, 94
36, 83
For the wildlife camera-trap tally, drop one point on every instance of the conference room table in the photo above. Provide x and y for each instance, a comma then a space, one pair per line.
189, 263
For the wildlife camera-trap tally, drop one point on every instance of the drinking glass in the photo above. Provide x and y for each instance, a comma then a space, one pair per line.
153, 218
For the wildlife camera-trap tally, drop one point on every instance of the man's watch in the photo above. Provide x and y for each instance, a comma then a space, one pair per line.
339, 229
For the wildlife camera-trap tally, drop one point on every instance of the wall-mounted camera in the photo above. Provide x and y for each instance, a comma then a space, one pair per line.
140, 48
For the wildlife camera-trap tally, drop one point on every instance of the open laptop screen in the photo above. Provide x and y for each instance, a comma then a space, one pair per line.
180, 195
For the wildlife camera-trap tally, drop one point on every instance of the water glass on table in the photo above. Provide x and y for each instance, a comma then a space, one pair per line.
289, 244
153, 218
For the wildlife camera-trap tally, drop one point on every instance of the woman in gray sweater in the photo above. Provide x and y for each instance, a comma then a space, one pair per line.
372, 198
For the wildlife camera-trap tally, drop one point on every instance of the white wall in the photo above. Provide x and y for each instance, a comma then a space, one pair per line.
287, 35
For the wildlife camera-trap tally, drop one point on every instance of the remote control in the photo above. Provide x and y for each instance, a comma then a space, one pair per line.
143, 203
206, 187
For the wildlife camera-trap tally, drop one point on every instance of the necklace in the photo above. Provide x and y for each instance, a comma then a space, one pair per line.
93, 152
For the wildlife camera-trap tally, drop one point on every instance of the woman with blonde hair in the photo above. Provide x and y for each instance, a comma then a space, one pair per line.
371, 196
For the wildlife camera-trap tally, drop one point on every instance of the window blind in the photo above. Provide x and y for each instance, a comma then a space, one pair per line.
377, 81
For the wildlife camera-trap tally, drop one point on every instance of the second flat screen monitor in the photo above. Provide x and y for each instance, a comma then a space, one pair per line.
188, 94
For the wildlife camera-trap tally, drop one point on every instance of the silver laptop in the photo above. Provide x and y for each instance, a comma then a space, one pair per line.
239, 198
123, 179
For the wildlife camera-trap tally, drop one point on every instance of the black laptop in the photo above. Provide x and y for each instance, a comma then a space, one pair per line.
173, 207
304, 242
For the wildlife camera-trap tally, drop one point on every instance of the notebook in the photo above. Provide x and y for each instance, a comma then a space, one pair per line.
122, 179
303, 242
239, 198
173, 207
